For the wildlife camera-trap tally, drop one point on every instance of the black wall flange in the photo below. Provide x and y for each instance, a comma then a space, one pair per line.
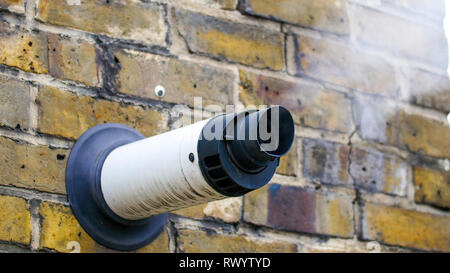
85, 196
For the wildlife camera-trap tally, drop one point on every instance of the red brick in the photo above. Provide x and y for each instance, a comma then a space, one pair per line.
300, 210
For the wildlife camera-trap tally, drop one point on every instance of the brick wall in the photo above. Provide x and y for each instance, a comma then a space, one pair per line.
364, 80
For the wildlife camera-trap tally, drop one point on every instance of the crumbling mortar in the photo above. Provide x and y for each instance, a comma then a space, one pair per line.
36, 223
29, 194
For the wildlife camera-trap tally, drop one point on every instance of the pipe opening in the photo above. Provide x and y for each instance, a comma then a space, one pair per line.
261, 137
277, 142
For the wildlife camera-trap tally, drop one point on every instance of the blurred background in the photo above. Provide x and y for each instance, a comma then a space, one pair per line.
366, 82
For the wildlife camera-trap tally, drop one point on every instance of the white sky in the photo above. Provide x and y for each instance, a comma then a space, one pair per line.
447, 33
447, 28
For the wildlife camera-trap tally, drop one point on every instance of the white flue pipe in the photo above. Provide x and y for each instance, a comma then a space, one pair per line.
155, 175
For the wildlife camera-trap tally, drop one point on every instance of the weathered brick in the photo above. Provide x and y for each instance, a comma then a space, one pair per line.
407, 228
256, 204
10, 248
15, 220
15, 103
339, 64
227, 210
326, 162
432, 187
30, 166
301, 210
428, 89
16, 6
60, 227
375, 171
237, 42
73, 60
375, 119
182, 80
134, 20
349, 246
202, 4
322, 14
380, 121
288, 162
228, 4
197, 241
394, 34
434, 8
24, 50
69, 115
420, 134
311, 106
196, 212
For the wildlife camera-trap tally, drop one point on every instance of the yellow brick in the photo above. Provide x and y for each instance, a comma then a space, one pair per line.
228, 4
14, 220
183, 80
418, 133
29, 166
60, 227
13, 5
192, 212
310, 106
234, 41
334, 215
432, 187
256, 206
26, 51
124, 19
10, 2
406, 228
319, 14
200, 242
73, 60
241, 49
288, 163
69, 115
15, 101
